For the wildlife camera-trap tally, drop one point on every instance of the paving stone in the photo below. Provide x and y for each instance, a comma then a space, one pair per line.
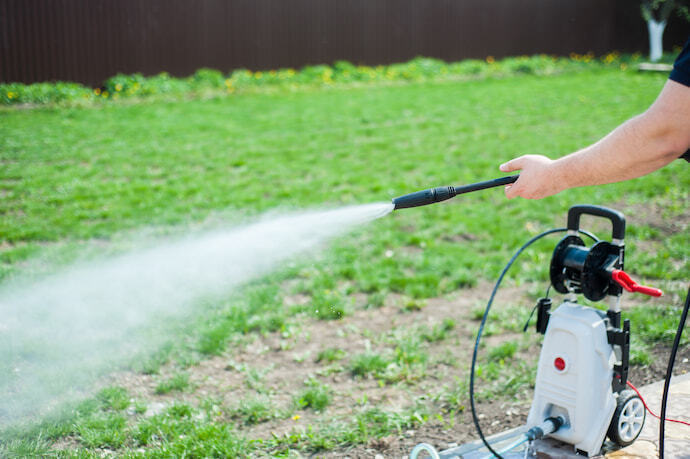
677, 436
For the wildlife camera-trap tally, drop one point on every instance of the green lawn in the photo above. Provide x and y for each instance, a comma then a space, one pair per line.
75, 180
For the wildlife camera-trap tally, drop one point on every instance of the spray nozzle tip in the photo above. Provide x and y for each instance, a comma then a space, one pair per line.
423, 198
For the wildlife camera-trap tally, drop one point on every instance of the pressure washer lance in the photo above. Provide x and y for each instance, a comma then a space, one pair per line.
441, 193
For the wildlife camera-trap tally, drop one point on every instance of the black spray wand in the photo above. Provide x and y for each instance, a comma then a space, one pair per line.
441, 193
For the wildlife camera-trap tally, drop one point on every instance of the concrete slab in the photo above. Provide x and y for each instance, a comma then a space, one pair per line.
650, 67
677, 436
676, 444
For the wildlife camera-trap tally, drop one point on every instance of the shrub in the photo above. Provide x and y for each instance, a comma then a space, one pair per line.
205, 79
208, 78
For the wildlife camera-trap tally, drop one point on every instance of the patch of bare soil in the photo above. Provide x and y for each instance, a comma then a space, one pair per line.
656, 370
277, 365
281, 363
494, 417
657, 216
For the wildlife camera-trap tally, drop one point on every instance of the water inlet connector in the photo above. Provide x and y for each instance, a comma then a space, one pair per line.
549, 426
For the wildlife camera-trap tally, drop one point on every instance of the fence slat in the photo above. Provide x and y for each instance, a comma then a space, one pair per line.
90, 40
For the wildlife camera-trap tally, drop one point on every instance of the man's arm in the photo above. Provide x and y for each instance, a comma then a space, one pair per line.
637, 147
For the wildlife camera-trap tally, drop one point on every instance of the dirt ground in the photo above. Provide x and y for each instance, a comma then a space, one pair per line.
281, 363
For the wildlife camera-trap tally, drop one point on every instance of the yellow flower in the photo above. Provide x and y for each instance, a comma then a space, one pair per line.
97, 91
228, 83
490, 59
11, 95
118, 87
105, 94
257, 75
296, 417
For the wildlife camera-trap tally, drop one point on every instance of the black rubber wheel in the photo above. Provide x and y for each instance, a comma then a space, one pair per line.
628, 419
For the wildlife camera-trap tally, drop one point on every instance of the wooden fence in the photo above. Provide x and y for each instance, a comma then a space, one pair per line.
90, 40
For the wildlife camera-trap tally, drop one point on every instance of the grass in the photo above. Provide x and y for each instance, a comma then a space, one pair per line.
115, 398
316, 396
177, 382
437, 332
255, 410
77, 181
369, 363
183, 431
503, 351
330, 355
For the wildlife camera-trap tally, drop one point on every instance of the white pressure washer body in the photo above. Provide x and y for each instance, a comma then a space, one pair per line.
583, 365
574, 377
581, 389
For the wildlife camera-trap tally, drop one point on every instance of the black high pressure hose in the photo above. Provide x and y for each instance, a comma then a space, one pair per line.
486, 314
669, 373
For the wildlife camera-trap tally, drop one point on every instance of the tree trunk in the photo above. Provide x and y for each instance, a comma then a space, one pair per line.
656, 34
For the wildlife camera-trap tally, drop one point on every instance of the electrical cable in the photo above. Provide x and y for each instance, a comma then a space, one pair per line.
486, 314
649, 410
524, 329
669, 373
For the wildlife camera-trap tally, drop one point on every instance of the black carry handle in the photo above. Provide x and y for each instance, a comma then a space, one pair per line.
486, 184
617, 219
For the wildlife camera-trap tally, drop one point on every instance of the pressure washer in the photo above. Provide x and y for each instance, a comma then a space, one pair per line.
581, 392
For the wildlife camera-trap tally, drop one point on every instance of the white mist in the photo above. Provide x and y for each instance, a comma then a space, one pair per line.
60, 333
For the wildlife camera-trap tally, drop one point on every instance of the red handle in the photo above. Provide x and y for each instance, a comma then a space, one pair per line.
622, 278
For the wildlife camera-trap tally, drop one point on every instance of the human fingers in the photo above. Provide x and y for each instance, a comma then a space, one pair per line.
512, 165
512, 191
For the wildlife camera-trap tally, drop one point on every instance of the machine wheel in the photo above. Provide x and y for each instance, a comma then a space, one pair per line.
628, 418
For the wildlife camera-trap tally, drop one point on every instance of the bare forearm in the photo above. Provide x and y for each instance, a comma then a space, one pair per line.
635, 148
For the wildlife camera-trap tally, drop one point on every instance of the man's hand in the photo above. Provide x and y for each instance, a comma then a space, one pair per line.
637, 147
538, 178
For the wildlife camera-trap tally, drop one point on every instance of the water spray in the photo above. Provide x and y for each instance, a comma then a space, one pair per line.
60, 332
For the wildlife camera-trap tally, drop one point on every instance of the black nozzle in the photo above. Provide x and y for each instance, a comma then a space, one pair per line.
424, 197
432, 195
